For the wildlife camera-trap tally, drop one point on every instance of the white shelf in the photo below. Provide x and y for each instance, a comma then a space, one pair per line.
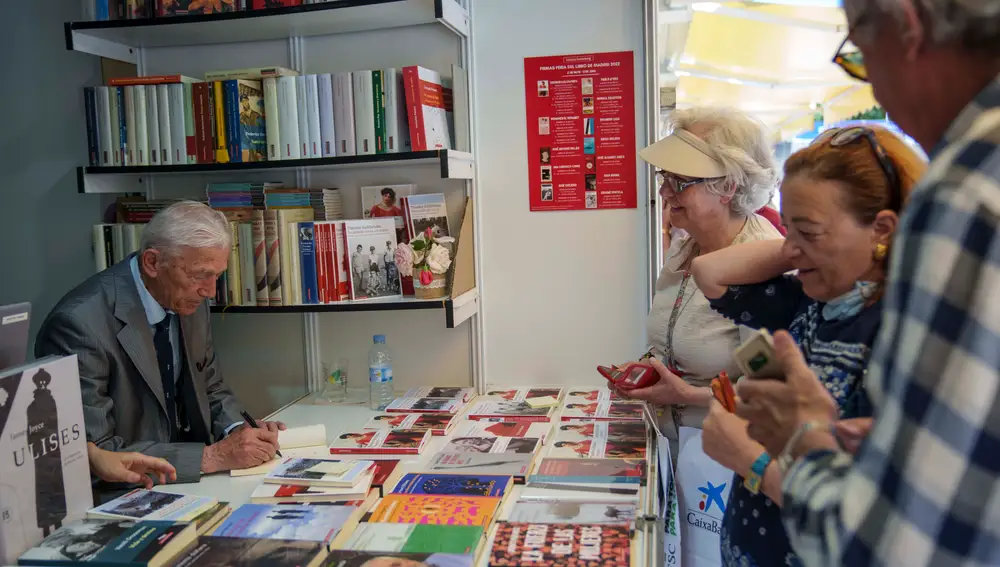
119, 39
457, 310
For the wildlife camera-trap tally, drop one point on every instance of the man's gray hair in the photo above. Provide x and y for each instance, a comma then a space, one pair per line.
973, 24
186, 224
743, 145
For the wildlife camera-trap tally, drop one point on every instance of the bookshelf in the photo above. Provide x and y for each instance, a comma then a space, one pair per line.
123, 39
330, 37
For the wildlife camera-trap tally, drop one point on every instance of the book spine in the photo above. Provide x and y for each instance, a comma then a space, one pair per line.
312, 109
343, 113
234, 288
402, 116
333, 274
190, 139
272, 238
321, 252
260, 258
104, 126
141, 126
153, 124
302, 110
131, 143
234, 130
414, 107
307, 262
390, 88
219, 119
178, 124
364, 115
247, 282
288, 120
327, 133
342, 261
272, 118
378, 111
114, 107
163, 113
93, 138
290, 274
119, 93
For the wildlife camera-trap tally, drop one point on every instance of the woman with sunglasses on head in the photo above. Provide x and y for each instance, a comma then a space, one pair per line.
715, 169
841, 199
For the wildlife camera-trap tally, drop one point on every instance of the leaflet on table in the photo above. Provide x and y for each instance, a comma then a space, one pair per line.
605, 409
142, 504
600, 439
437, 423
381, 441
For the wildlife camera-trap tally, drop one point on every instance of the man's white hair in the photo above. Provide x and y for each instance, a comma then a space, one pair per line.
186, 224
743, 145
973, 24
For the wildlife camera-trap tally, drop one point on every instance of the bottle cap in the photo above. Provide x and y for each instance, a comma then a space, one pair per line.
379, 339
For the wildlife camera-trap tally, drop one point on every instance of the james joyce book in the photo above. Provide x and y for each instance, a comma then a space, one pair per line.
44, 473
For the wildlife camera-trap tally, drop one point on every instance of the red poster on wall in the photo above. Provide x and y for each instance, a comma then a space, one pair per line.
581, 131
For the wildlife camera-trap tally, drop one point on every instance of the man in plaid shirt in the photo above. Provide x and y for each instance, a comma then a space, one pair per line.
923, 488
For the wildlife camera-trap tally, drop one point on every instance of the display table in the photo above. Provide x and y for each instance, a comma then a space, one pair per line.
343, 418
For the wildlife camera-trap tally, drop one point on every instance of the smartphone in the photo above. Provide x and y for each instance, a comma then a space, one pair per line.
756, 357
630, 377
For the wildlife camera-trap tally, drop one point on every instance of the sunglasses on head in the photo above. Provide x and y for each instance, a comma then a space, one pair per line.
840, 137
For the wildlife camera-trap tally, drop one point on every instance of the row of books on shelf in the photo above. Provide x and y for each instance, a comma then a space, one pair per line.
105, 10
266, 114
491, 490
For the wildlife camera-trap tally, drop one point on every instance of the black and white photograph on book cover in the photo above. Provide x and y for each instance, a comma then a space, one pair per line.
372, 246
79, 541
141, 504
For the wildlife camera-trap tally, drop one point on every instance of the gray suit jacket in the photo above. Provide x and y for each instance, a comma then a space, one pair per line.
103, 322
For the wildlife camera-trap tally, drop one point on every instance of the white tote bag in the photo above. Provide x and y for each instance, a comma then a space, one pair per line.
668, 505
703, 490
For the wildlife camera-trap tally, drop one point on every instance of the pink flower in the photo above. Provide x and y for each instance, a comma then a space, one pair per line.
426, 277
429, 233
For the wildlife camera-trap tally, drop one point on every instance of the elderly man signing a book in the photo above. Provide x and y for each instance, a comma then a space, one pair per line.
142, 333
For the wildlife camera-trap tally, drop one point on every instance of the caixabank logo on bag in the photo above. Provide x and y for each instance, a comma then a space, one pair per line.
711, 508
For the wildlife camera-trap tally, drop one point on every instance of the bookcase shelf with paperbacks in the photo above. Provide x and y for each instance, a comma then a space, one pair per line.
342, 35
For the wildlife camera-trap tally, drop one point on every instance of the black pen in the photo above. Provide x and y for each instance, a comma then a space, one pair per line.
252, 423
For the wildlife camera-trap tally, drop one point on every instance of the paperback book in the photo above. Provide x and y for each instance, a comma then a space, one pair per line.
506, 464
509, 411
300, 494
516, 544
44, 472
287, 521
557, 511
381, 442
212, 551
320, 472
575, 396
607, 409
353, 558
591, 471
593, 440
435, 509
416, 538
112, 542
456, 393
453, 484
424, 405
437, 423
372, 245
142, 504
521, 394
524, 445
539, 430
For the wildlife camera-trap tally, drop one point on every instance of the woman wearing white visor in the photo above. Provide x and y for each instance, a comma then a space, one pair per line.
714, 170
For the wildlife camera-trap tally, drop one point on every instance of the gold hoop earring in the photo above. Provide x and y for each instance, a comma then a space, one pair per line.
881, 251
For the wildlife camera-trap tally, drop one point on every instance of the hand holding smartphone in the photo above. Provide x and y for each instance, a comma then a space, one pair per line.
757, 358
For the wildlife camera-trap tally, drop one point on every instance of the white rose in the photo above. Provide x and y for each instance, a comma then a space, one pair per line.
418, 257
438, 259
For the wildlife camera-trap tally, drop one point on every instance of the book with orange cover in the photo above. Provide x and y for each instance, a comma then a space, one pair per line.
437, 510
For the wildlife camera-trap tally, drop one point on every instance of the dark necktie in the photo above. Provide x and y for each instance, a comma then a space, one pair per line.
165, 357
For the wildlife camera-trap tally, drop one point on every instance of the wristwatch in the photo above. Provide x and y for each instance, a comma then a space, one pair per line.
755, 477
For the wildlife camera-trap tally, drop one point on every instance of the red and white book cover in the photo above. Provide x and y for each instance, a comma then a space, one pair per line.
539, 430
509, 411
381, 442
522, 394
604, 410
427, 108
424, 405
453, 392
437, 423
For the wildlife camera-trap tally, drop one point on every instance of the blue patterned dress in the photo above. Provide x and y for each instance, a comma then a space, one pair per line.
837, 351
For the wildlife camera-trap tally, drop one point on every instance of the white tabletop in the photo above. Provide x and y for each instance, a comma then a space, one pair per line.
343, 418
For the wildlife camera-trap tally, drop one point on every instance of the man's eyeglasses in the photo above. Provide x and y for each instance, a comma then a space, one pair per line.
850, 59
838, 138
676, 184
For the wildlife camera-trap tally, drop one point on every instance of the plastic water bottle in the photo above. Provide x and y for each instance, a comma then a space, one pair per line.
380, 375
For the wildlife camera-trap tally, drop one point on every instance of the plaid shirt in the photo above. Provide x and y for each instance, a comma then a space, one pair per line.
924, 488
